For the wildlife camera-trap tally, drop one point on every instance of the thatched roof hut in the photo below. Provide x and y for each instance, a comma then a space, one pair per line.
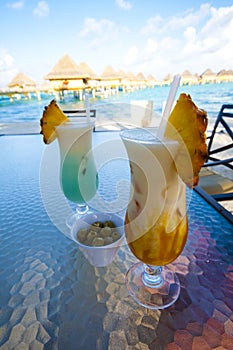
151, 77
110, 73
208, 76
86, 70
110, 78
151, 80
140, 77
225, 75
167, 79
66, 75
131, 76
122, 74
22, 81
188, 79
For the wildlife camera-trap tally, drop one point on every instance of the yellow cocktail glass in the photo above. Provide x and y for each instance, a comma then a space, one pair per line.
156, 223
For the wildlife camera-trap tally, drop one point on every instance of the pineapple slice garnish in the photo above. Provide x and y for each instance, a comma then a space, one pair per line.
51, 118
188, 123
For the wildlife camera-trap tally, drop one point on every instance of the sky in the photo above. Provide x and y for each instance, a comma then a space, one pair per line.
148, 36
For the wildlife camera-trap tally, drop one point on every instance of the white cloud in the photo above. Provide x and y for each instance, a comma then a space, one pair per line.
189, 18
132, 55
151, 46
7, 67
125, 5
158, 25
98, 32
6, 60
194, 40
42, 9
15, 5
152, 26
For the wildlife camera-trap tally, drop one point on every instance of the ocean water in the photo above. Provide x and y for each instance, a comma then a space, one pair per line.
209, 97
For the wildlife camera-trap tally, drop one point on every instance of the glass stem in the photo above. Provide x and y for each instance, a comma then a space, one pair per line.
152, 276
82, 209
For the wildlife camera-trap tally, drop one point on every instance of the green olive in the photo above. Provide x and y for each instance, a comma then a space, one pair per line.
98, 242
105, 232
90, 237
98, 224
109, 223
82, 234
108, 240
94, 228
115, 236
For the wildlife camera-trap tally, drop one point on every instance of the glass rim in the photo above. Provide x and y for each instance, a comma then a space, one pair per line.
71, 123
136, 135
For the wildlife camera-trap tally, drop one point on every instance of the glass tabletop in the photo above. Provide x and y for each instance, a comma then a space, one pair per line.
52, 298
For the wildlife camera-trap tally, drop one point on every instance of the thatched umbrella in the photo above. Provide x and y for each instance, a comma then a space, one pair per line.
21, 80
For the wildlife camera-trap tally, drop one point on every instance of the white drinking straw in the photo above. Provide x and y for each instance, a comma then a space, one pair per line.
167, 110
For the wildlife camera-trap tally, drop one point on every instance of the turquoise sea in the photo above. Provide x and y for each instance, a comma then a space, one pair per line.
209, 97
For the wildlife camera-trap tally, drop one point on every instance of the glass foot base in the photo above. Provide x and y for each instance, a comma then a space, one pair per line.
159, 295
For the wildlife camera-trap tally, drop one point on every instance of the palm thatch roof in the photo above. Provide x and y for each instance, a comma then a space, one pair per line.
140, 76
65, 69
22, 80
85, 69
186, 74
208, 73
225, 72
122, 74
110, 73
151, 77
131, 76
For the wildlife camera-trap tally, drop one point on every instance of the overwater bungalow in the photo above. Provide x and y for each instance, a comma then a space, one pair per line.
141, 80
208, 77
188, 79
66, 75
21, 82
225, 76
110, 76
21, 86
125, 81
109, 81
151, 80
167, 80
93, 80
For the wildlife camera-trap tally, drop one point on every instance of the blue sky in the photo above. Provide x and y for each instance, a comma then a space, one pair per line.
148, 36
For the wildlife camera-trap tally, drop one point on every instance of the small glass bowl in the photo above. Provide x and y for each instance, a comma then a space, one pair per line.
99, 256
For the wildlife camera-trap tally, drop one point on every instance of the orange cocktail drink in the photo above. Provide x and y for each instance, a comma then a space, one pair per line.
156, 224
